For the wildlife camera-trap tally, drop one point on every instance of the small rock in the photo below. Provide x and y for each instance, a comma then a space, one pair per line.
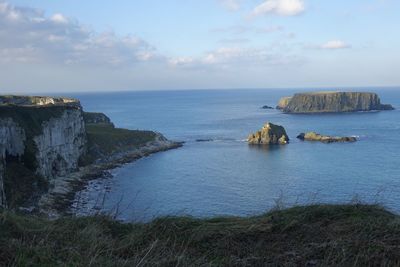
312, 136
267, 107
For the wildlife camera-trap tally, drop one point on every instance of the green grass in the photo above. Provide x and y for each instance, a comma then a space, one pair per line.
22, 185
104, 140
321, 235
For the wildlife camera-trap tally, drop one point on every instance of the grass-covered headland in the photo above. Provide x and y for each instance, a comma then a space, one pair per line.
321, 235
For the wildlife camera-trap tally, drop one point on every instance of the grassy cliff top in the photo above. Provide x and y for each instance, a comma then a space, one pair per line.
321, 235
333, 92
40, 101
104, 140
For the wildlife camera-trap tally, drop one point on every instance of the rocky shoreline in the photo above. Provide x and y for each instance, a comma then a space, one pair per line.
58, 200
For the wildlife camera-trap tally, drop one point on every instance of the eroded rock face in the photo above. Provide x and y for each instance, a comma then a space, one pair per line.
61, 144
44, 135
321, 102
270, 134
12, 138
312, 136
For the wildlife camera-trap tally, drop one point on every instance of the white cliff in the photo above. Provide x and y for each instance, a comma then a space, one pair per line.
12, 138
56, 139
61, 144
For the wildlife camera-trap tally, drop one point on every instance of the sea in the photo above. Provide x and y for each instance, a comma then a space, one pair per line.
223, 175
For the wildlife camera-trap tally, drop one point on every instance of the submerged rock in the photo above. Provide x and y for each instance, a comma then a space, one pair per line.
312, 136
204, 140
266, 107
270, 134
322, 102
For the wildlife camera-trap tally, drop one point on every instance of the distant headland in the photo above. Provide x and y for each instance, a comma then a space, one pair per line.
332, 102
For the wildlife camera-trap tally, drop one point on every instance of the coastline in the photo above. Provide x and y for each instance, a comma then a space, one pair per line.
58, 200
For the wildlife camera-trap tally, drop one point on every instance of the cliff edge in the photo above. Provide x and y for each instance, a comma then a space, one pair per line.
41, 138
46, 142
325, 102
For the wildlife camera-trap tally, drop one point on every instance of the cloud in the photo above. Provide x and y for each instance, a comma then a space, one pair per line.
59, 18
335, 44
235, 40
240, 29
279, 7
29, 36
232, 5
231, 57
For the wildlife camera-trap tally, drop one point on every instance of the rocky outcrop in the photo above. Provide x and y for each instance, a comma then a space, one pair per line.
312, 136
283, 102
322, 102
270, 134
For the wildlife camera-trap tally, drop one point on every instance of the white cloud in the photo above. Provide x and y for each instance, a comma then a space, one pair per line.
29, 36
59, 18
232, 5
335, 44
240, 29
279, 7
231, 57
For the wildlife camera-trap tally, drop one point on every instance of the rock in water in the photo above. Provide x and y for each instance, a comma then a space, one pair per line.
267, 107
320, 102
312, 136
270, 134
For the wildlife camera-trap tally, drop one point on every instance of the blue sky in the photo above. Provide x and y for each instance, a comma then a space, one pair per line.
71, 45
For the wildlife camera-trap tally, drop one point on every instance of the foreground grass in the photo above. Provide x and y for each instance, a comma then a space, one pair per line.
346, 235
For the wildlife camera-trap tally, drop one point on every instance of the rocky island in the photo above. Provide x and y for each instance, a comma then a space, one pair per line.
270, 134
50, 145
312, 136
331, 102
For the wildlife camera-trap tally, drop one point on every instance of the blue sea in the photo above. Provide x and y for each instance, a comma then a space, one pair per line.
228, 177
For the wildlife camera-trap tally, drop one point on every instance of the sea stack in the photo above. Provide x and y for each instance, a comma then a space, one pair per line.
270, 134
332, 102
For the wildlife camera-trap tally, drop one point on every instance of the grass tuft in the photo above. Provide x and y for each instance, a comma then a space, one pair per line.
320, 235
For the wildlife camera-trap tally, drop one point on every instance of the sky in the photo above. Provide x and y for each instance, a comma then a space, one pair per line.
94, 45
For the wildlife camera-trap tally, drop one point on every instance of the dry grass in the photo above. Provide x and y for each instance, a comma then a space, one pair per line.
321, 235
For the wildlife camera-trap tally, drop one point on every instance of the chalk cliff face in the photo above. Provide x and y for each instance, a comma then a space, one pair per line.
47, 136
61, 144
12, 138
319, 102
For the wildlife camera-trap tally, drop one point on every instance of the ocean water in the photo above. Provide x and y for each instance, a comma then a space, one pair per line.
228, 177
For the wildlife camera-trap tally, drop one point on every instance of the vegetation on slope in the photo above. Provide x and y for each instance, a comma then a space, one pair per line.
343, 235
104, 140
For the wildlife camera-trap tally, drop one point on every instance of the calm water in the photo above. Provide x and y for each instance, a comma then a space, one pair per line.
228, 177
